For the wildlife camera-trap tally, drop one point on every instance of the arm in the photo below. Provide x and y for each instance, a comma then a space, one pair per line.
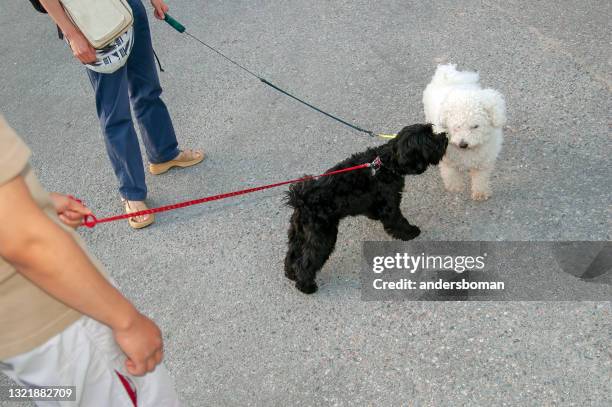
81, 48
50, 258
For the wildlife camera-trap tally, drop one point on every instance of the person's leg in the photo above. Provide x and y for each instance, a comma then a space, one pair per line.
145, 90
85, 355
113, 108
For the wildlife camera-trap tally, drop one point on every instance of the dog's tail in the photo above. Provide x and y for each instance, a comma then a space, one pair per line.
295, 197
447, 75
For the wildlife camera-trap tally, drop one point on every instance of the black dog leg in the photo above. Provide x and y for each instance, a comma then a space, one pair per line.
294, 252
397, 226
316, 250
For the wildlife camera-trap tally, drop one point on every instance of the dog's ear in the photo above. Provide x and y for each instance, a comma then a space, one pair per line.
408, 148
495, 106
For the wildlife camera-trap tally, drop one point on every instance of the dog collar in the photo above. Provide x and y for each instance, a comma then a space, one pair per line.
375, 165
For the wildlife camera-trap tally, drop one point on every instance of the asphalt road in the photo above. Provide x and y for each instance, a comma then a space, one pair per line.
237, 332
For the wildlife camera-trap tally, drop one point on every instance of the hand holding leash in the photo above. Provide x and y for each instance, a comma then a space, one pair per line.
161, 9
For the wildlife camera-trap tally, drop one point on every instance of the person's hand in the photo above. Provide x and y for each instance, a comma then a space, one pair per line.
160, 7
141, 341
70, 211
81, 48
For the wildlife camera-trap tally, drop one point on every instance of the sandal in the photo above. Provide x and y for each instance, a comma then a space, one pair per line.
138, 222
186, 158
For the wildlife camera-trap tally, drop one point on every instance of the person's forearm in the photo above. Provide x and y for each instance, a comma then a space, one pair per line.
55, 263
57, 13
50, 258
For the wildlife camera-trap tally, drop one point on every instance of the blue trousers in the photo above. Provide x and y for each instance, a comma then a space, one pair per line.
136, 83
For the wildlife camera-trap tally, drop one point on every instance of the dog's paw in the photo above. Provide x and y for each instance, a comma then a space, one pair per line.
408, 233
306, 287
480, 195
412, 233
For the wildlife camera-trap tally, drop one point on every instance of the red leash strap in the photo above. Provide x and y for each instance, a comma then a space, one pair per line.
90, 220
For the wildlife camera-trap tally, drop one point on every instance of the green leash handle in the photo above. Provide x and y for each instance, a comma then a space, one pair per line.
174, 24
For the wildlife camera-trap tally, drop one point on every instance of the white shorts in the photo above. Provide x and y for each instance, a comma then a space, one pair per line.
85, 355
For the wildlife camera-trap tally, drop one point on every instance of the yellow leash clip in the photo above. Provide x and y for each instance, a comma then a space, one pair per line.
386, 136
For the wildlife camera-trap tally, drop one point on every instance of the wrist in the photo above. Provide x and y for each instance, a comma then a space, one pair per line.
124, 319
56, 200
70, 31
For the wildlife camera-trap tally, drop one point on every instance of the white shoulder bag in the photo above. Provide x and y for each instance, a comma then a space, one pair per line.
100, 21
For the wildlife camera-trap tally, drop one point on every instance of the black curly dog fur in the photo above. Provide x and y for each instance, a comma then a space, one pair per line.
320, 204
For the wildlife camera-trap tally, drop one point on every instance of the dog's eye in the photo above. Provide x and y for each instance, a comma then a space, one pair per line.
475, 126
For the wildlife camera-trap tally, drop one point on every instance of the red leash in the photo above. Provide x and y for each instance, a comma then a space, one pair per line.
90, 220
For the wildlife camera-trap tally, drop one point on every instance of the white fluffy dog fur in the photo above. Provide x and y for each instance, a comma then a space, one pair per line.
473, 118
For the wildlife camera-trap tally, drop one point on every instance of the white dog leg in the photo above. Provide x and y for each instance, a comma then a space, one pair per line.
453, 181
481, 188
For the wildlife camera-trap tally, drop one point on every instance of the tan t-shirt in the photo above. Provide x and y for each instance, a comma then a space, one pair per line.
28, 316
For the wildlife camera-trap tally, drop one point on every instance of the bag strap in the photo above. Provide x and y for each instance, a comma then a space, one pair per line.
158, 63
38, 7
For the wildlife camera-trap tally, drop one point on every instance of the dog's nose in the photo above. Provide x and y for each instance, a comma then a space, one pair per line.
463, 144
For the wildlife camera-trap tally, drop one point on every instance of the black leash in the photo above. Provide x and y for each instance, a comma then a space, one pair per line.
181, 29
168, 18
368, 132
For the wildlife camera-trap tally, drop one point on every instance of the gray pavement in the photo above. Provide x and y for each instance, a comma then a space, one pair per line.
237, 332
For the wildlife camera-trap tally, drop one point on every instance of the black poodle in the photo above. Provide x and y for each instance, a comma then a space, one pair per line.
320, 204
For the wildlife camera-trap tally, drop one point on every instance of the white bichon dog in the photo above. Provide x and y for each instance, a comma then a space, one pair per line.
473, 119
